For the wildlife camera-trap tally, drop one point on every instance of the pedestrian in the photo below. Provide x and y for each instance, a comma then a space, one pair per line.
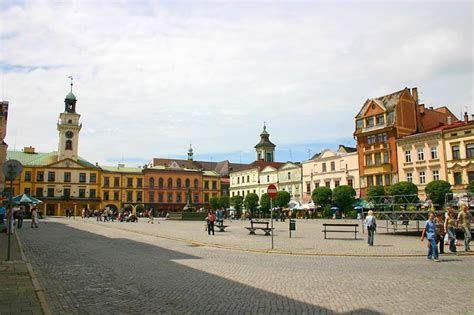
211, 219
430, 231
440, 232
34, 217
83, 213
150, 215
105, 215
20, 216
371, 225
3, 211
450, 229
464, 221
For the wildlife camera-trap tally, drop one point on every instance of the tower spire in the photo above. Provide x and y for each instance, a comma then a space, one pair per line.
70, 77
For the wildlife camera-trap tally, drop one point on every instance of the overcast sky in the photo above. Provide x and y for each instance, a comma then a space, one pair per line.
152, 77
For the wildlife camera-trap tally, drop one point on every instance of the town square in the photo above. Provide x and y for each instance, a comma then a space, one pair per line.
244, 157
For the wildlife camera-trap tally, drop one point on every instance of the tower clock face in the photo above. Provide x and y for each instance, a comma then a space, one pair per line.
69, 134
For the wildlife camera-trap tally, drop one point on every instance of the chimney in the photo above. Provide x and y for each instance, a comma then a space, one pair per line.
466, 117
414, 93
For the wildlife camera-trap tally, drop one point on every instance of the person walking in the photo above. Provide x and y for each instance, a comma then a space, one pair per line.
34, 217
20, 216
150, 216
430, 231
464, 221
450, 229
371, 226
440, 233
211, 219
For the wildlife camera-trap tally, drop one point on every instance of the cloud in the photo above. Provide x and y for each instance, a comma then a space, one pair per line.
152, 77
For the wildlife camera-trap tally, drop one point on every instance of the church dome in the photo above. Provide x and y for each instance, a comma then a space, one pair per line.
70, 96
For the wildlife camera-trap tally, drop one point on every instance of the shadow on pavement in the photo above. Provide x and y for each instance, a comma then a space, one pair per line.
82, 272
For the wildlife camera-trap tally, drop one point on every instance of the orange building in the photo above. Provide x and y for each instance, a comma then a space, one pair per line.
382, 121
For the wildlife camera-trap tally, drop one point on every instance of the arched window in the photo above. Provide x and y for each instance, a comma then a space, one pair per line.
151, 182
188, 183
68, 145
178, 183
196, 183
160, 182
170, 182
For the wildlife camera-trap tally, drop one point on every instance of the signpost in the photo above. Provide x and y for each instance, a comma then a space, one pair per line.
272, 193
11, 169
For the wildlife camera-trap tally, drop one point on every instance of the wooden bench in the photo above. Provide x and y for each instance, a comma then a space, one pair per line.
340, 230
253, 228
220, 225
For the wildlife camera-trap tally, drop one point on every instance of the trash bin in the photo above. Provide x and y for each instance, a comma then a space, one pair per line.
292, 225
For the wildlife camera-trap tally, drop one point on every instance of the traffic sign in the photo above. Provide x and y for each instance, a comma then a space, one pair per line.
12, 169
272, 191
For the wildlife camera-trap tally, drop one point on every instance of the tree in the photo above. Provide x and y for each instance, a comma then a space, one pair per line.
437, 190
373, 192
470, 187
139, 208
404, 189
251, 202
236, 202
224, 202
265, 202
214, 202
344, 197
321, 196
282, 199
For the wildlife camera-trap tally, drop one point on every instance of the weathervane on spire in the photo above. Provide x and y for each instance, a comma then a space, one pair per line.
264, 125
70, 77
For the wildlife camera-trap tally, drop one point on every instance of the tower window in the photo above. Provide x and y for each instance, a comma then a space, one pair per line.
68, 145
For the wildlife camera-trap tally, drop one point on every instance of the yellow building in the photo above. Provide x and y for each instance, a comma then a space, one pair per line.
121, 187
211, 185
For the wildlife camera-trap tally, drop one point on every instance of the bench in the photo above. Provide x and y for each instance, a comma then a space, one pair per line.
220, 225
253, 228
340, 230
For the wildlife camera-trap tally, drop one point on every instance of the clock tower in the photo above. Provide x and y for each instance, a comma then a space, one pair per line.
69, 128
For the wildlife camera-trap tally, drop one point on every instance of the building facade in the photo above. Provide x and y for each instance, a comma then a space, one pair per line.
3, 145
331, 169
289, 179
383, 120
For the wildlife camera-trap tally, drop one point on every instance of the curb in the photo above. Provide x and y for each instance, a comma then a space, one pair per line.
34, 279
274, 251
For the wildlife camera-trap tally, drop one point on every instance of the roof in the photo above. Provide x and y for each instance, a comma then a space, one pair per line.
345, 149
40, 158
265, 139
261, 165
70, 96
440, 128
117, 169
222, 168
387, 102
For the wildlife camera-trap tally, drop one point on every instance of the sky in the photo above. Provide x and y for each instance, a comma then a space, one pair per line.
152, 77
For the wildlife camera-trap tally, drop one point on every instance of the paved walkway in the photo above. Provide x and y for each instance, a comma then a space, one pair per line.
18, 294
85, 268
307, 240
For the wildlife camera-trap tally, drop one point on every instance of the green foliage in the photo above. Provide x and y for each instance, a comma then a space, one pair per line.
282, 199
350, 214
140, 208
214, 202
437, 190
470, 187
265, 202
344, 197
237, 202
375, 191
251, 202
327, 212
403, 188
128, 208
322, 196
224, 202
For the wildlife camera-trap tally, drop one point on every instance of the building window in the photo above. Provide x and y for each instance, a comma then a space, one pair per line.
51, 176
422, 177
139, 196
82, 177
160, 196
139, 182
435, 174
316, 185
40, 176
336, 183
390, 118
206, 184
455, 150
178, 197
116, 195
196, 183
289, 175
116, 181
434, 153
151, 182
67, 192
410, 177
27, 176
470, 177
170, 182
151, 196
408, 156
68, 145
333, 166
67, 177
243, 179
350, 183
324, 167
106, 181
178, 183
369, 121
196, 198
378, 159
188, 183
421, 154
268, 178
238, 180
106, 195
50, 192
387, 179
160, 182
359, 124
170, 197
379, 119
214, 184
371, 139
248, 178
129, 182
386, 159
92, 193
470, 150
129, 196
457, 178
370, 181
308, 188
379, 179
382, 137
368, 160
328, 184
82, 193
39, 192
206, 197
27, 190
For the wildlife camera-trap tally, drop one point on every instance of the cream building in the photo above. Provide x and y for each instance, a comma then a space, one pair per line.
289, 179
421, 158
331, 169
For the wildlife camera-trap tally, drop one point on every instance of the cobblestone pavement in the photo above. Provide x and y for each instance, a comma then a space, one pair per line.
308, 238
86, 268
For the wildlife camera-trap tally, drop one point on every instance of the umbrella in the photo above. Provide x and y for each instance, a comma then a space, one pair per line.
25, 199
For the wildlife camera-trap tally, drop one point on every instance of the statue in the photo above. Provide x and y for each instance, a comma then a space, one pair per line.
188, 207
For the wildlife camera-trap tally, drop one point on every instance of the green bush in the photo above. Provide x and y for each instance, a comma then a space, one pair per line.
344, 197
437, 190
321, 196
327, 212
351, 214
